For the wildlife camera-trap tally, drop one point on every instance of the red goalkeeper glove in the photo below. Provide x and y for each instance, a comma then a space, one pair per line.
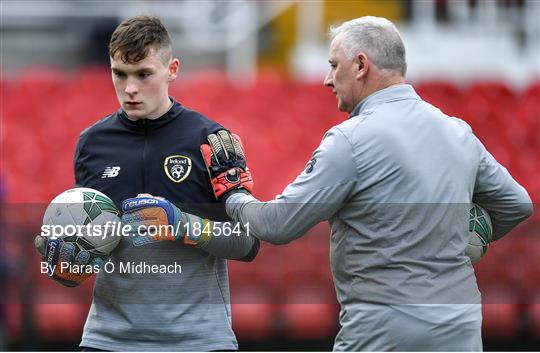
226, 163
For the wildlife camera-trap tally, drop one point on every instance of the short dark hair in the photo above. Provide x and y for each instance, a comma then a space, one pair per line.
136, 36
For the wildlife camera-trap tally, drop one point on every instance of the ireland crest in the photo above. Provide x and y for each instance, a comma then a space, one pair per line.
177, 167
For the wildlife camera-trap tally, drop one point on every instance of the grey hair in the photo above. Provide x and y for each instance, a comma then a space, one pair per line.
377, 37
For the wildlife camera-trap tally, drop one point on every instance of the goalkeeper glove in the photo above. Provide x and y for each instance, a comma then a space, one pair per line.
226, 163
155, 219
65, 264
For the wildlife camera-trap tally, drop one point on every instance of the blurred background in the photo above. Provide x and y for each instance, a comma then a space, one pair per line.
257, 67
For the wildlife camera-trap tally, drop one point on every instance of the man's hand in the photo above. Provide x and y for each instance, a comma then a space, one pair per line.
153, 219
64, 264
226, 163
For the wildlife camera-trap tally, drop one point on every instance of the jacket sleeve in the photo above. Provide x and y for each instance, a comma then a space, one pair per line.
236, 246
78, 167
316, 195
506, 201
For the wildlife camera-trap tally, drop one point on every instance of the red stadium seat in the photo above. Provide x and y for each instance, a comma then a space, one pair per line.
445, 95
533, 91
309, 301
534, 318
13, 320
439, 88
501, 315
60, 322
253, 322
491, 88
253, 311
310, 321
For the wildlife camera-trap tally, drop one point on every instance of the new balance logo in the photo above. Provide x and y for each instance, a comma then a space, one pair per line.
110, 172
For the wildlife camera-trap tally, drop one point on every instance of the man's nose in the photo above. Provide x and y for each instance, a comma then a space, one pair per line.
328, 82
131, 86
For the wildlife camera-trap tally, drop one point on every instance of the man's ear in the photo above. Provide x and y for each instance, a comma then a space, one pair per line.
362, 65
174, 69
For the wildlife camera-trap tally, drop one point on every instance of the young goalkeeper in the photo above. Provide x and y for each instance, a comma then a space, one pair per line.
151, 146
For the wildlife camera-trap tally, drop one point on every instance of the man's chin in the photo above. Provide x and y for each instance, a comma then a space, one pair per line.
344, 108
134, 113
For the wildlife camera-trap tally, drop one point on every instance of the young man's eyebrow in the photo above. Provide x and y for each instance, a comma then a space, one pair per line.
144, 69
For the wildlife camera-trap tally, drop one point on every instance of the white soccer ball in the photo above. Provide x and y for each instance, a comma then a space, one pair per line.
85, 217
480, 233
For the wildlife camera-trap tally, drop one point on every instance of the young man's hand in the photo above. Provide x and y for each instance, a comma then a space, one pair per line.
226, 164
64, 264
154, 219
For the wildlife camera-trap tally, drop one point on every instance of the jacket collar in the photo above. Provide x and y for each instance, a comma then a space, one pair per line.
145, 125
385, 95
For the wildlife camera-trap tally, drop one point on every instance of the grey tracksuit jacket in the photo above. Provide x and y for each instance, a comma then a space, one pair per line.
395, 181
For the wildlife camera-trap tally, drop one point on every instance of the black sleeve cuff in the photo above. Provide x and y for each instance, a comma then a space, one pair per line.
252, 253
232, 192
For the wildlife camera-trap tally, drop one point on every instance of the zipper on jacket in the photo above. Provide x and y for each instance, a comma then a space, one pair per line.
143, 169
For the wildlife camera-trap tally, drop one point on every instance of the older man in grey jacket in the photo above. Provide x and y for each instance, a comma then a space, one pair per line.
395, 181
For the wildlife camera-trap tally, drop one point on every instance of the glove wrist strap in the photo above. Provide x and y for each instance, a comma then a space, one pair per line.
196, 230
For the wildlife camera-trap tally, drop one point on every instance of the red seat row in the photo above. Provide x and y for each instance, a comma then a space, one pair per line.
502, 321
282, 121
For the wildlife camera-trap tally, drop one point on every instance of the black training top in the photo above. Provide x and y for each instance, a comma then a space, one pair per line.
122, 158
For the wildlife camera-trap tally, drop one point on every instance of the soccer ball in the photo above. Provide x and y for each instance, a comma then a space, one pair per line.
480, 233
85, 217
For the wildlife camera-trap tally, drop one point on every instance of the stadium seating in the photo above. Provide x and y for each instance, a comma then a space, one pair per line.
500, 321
281, 122
534, 318
55, 322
